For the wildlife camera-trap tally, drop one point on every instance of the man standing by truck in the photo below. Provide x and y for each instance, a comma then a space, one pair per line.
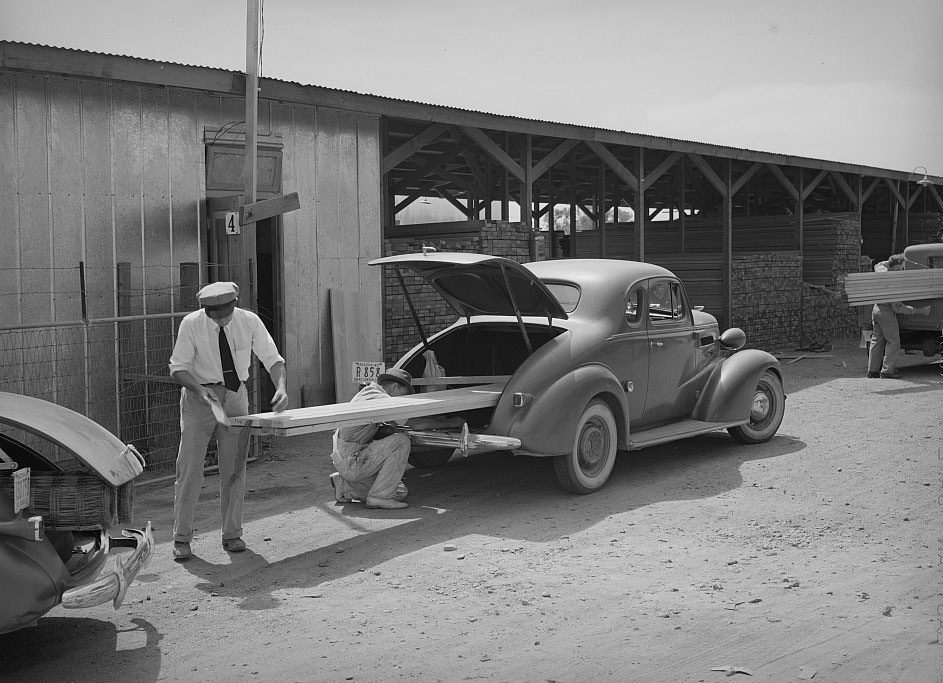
885, 337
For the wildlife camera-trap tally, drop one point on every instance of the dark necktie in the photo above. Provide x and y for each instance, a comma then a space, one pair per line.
230, 378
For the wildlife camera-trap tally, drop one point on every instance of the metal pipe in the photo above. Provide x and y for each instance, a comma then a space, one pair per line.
412, 309
517, 311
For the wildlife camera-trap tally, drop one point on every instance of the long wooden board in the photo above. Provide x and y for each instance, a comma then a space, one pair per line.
904, 285
329, 417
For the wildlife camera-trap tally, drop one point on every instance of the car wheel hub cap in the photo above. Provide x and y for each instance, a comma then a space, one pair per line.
594, 442
760, 408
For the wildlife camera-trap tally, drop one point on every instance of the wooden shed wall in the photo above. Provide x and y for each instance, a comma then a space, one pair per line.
332, 160
101, 173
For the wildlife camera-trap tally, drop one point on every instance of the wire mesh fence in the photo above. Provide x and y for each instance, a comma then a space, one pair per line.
114, 371
96, 337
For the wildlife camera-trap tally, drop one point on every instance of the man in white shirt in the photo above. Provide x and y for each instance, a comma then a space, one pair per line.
210, 361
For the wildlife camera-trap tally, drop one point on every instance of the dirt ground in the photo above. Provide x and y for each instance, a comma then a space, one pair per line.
816, 556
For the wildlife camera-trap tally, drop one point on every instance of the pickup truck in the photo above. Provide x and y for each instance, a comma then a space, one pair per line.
923, 332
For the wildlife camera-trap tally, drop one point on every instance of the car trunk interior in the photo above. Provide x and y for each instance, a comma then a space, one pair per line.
483, 350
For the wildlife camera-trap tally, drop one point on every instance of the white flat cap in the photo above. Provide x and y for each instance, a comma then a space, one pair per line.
218, 293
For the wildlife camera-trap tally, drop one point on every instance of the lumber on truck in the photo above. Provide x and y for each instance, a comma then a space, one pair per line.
329, 417
864, 289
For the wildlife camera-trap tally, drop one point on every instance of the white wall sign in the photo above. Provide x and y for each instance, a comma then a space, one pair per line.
232, 222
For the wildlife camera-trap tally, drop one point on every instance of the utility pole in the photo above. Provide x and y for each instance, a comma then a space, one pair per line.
250, 162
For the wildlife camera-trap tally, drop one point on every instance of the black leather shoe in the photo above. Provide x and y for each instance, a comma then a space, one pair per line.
234, 545
873, 375
891, 375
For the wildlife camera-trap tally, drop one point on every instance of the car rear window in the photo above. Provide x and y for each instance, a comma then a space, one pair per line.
568, 295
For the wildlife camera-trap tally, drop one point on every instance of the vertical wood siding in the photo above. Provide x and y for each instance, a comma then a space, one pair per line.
103, 173
332, 160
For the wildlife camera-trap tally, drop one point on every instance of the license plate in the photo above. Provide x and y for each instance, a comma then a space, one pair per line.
367, 371
20, 490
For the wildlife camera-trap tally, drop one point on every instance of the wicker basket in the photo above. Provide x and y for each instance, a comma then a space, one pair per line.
76, 501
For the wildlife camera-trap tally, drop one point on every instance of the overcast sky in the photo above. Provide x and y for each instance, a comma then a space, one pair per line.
858, 81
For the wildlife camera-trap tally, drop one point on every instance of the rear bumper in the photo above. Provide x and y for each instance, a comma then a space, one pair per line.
464, 441
121, 570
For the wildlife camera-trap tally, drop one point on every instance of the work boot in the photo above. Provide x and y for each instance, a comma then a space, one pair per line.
386, 503
234, 545
340, 494
401, 492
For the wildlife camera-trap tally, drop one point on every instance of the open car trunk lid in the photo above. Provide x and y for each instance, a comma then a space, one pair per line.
93, 445
477, 284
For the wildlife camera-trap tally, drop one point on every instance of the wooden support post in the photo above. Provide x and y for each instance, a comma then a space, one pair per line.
489, 189
527, 196
571, 244
728, 242
905, 231
551, 217
505, 186
641, 211
683, 217
601, 208
895, 220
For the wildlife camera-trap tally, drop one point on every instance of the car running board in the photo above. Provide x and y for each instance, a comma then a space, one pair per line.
675, 431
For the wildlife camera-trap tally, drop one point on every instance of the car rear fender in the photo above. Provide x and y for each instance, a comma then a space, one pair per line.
728, 393
546, 425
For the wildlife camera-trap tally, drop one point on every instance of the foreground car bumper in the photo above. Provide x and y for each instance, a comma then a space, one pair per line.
120, 572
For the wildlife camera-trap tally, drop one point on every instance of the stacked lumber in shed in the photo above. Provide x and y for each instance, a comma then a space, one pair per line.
901, 285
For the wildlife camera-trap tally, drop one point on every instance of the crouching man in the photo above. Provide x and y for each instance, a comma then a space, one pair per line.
369, 468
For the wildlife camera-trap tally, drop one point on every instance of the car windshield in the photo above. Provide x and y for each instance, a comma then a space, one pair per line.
567, 294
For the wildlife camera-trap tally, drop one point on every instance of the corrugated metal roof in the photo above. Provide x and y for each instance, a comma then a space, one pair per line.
632, 137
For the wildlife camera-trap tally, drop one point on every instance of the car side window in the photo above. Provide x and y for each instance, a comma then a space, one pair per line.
666, 301
633, 305
679, 309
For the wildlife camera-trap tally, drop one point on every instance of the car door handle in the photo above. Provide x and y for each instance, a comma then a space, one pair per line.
658, 343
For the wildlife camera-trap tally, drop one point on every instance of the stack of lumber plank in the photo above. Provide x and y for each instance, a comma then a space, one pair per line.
329, 417
901, 285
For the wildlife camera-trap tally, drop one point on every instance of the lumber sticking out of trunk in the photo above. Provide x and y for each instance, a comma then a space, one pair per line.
329, 417
902, 285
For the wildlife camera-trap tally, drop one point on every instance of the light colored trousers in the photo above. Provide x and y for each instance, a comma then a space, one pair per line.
885, 339
371, 470
197, 426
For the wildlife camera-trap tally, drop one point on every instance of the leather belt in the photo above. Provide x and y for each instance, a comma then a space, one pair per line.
220, 384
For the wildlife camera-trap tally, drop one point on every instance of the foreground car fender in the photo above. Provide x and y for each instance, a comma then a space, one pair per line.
33, 580
728, 394
546, 424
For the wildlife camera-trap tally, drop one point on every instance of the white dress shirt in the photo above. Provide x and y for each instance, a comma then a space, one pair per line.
197, 346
